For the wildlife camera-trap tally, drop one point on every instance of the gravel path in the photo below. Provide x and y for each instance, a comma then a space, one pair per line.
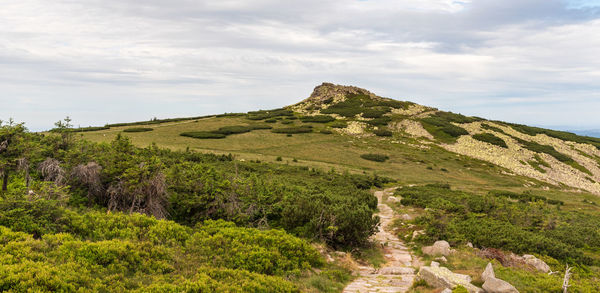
397, 274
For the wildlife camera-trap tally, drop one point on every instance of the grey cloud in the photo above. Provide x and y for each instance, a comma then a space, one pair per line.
186, 57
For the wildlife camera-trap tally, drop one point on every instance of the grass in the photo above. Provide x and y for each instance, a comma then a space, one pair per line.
292, 130
337, 151
372, 255
324, 151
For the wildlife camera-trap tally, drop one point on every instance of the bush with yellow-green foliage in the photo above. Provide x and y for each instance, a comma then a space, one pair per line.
119, 252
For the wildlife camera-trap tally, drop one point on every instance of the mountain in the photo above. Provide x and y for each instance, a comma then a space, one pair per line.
547, 157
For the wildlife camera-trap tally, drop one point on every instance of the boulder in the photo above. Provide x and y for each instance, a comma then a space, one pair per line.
495, 285
441, 277
488, 272
441, 259
446, 291
469, 244
537, 263
438, 248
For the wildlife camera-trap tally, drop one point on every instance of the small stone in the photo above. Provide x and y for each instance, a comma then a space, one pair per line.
441, 259
469, 244
406, 217
416, 233
340, 253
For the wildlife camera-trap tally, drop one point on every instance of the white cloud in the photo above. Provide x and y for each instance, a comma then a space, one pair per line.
106, 61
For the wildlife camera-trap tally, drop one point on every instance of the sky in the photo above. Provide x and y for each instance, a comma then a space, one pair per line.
103, 61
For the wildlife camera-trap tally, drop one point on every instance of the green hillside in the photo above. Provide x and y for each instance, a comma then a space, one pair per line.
268, 201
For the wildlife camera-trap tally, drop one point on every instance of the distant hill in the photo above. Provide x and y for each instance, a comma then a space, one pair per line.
592, 132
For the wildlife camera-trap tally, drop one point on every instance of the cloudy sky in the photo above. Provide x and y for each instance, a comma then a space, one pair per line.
529, 61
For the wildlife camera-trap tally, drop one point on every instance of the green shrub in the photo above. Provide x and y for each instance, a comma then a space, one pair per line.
395, 104
442, 129
292, 130
374, 113
453, 117
270, 252
279, 159
287, 122
156, 121
271, 120
491, 139
338, 124
383, 132
497, 221
568, 136
227, 130
550, 150
352, 106
260, 126
317, 119
326, 131
492, 128
375, 157
380, 121
202, 134
138, 129
231, 115
90, 128
537, 162
267, 114
355, 104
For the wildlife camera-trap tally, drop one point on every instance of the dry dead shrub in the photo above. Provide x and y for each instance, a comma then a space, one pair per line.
89, 175
52, 171
507, 259
149, 197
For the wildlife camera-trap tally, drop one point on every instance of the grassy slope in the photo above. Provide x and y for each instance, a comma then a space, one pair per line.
407, 163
